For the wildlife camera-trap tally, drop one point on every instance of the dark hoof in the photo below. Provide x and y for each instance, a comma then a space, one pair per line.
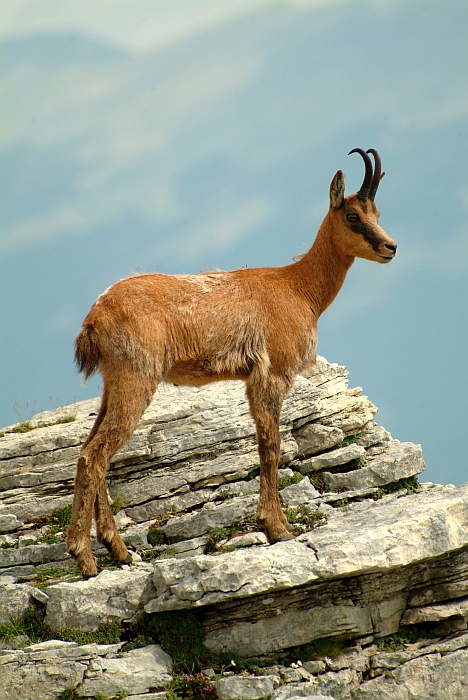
117, 551
128, 559
86, 577
283, 537
87, 566
286, 536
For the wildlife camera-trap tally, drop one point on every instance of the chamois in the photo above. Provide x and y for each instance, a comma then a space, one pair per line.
258, 325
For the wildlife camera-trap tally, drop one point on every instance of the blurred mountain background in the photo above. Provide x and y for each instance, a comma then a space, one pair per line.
182, 136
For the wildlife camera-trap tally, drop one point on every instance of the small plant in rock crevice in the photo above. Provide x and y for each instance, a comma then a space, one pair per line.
218, 534
69, 694
404, 635
52, 571
317, 481
32, 625
151, 554
410, 483
182, 636
327, 647
191, 687
214, 537
109, 632
24, 427
341, 503
54, 525
156, 536
348, 440
64, 419
286, 481
117, 504
303, 518
253, 474
60, 517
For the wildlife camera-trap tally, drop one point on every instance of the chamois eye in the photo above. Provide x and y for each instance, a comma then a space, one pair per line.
352, 217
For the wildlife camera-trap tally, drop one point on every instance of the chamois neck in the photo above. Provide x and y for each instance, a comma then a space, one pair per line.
323, 269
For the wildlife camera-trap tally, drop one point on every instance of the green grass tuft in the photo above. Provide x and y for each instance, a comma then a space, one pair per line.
64, 419
69, 694
348, 440
109, 632
32, 625
60, 517
341, 503
24, 427
410, 483
253, 474
357, 463
303, 518
217, 534
182, 636
46, 573
117, 504
405, 635
317, 481
55, 525
286, 481
156, 536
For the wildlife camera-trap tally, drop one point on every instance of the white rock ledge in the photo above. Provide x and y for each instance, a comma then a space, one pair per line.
359, 539
111, 595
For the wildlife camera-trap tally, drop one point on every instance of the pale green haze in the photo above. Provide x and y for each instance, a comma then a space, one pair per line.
179, 136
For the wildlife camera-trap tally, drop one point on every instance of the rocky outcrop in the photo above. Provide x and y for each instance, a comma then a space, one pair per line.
48, 669
374, 554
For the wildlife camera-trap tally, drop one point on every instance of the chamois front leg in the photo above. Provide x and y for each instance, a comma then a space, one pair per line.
265, 398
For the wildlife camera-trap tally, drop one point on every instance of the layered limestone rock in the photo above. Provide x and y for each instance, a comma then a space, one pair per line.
47, 669
189, 445
373, 554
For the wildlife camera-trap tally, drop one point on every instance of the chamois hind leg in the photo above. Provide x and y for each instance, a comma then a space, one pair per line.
124, 401
107, 533
266, 394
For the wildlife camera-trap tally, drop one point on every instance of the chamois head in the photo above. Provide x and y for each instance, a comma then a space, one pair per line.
355, 218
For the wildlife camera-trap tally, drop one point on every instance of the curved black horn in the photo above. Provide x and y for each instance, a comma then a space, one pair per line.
377, 173
363, 193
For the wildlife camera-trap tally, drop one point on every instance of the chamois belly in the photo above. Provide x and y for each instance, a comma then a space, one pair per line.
200, 372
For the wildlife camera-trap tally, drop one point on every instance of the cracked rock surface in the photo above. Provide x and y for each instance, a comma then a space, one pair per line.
374, 554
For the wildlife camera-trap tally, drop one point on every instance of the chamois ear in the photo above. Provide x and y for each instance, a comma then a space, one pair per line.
382, 177
337, 190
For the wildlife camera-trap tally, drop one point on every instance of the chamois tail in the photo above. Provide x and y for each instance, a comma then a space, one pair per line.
87, 351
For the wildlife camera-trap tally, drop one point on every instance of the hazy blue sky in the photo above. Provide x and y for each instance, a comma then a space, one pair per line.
179, 135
